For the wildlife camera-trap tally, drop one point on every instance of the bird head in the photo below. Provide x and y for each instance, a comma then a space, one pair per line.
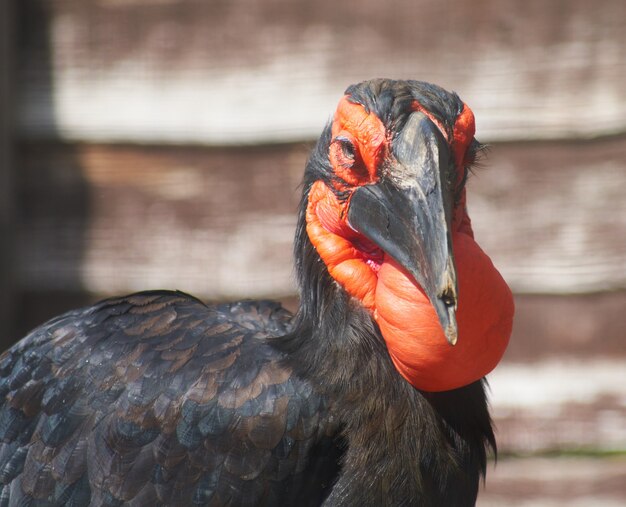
386, 213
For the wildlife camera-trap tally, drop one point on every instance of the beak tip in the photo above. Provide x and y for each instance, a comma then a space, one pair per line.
451, 336
446, 309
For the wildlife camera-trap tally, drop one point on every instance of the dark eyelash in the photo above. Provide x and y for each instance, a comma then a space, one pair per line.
347, 147
476, 154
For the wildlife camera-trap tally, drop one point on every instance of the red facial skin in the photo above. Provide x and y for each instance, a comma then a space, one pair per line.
407, 320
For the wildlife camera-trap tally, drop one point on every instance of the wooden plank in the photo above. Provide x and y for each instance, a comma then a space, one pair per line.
555, 481
561, 386
220, 222
568, 327
6, 174
232, 72
559, 405
115, 219
552, 215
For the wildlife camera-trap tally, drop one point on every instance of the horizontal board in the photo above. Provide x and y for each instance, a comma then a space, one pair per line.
235, 72
552, 215
555, 481
119, 219
560, 405
220, 222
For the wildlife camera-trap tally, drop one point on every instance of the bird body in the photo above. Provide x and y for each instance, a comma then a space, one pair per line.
357, 399
158, 398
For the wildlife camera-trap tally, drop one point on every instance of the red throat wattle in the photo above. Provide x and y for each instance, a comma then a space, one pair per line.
406, 318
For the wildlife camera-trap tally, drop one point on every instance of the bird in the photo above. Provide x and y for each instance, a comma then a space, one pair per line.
372, 392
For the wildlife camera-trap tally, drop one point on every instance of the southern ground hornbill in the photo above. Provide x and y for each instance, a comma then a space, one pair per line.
372, 394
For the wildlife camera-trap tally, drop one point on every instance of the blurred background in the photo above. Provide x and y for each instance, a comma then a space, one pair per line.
160, 144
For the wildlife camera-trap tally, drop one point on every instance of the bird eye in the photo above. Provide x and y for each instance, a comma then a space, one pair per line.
346, 161
343, 152
346, 147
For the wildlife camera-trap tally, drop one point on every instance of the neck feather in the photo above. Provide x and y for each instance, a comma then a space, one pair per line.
439, 440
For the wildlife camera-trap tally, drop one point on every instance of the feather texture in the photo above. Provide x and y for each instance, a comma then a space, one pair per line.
158, 398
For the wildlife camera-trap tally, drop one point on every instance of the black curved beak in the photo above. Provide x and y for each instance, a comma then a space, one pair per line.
408, 214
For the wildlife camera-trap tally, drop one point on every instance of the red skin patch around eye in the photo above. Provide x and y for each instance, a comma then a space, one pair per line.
367, 133
463, 133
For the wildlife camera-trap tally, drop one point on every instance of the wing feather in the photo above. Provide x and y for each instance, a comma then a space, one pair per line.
155, 399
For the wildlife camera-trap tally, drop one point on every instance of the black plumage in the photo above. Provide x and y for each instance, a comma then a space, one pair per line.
159, 399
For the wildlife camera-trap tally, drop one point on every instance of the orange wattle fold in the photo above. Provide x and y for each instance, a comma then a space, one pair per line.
415, 340
407, 320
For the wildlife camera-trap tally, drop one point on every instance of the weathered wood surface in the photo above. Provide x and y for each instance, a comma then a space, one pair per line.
551, 481
567, 327
246, 72
560, 404
220, 222
553, 215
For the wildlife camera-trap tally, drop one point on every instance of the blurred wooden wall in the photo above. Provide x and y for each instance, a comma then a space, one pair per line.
161, 143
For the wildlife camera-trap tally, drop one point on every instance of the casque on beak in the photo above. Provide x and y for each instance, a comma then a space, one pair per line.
408, 214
